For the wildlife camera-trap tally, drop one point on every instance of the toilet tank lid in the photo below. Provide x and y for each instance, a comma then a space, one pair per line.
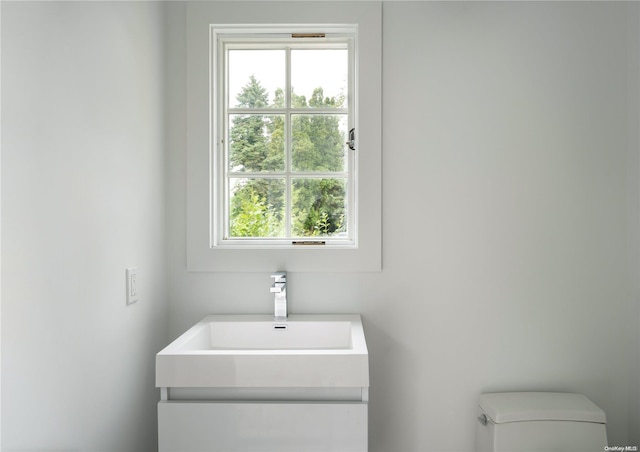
504, 407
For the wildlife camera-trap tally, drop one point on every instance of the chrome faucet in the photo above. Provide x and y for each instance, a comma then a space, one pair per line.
279, 288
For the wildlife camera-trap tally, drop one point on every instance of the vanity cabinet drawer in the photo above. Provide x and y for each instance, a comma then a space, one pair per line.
261, 427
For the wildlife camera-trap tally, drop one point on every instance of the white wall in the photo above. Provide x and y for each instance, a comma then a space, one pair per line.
634, 217
522, 142
0, 232
508, 214
82, 198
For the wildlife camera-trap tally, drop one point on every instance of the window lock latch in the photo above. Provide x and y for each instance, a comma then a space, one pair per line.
352, 139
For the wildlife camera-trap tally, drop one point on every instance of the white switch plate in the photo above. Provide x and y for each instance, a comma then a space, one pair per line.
132, 285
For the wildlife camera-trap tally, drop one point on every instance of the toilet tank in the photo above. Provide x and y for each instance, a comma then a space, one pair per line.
539, 421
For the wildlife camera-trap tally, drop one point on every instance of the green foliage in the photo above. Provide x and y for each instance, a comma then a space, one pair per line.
257, 145
253, 95
318, 207
257, 141
252, 217
317, 143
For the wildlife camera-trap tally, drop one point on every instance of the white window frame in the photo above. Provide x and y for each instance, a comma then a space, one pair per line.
225, 37
201, 255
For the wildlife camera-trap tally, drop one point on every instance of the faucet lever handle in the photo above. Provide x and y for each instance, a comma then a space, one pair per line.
278, 287
279, 277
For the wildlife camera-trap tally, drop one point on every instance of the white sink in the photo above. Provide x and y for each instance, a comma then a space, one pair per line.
256, 351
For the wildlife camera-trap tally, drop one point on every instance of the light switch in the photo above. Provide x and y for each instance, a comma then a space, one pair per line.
132, 285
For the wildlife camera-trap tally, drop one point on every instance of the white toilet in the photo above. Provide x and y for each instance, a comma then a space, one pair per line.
539, 421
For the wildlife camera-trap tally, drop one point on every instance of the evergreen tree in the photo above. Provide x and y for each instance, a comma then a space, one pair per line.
251, 149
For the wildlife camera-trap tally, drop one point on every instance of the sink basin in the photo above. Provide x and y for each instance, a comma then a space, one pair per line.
231, 351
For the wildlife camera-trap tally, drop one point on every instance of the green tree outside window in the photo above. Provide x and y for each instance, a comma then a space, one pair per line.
257, 145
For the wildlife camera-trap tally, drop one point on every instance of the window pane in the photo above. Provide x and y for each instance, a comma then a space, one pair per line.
256, 143
256, 207
319, 207
256, 78
318, 142
319, 78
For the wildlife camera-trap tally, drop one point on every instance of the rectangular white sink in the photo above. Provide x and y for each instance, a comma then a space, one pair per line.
256, 351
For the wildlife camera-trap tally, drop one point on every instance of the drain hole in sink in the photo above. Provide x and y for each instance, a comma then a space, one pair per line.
280, 327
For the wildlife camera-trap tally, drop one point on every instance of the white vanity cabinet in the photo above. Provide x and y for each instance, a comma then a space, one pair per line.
250, 383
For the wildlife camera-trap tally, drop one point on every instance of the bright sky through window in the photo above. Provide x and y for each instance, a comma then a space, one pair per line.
310, 69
